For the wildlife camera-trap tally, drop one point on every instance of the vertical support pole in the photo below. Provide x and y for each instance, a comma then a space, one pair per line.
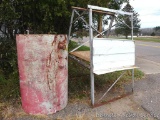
132, 80
132, 26
132, 39
70, 27
91, 56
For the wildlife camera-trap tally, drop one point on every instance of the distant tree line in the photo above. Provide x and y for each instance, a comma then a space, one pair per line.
150, 31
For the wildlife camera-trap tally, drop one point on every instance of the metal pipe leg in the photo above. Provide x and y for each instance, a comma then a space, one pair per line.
132, 80
92, 88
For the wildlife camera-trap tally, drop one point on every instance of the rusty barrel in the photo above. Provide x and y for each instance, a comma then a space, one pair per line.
43, 72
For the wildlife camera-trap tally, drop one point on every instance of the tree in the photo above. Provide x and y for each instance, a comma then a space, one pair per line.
153, 34
124, 29
41, 16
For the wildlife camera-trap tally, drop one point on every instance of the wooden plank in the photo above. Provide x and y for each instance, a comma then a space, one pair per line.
85, 55
113, 65
99, 72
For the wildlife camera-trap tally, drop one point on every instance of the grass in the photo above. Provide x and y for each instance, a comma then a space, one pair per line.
73, 45
145, 39
148, 39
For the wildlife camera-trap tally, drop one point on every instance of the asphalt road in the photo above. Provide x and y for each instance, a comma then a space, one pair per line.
148, 57
148, 50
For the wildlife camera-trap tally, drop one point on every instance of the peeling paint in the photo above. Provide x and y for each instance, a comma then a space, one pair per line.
43, 69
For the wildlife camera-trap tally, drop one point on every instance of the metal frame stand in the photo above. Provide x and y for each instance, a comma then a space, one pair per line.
101, 10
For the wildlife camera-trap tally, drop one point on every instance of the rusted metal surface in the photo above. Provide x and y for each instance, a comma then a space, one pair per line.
43, 69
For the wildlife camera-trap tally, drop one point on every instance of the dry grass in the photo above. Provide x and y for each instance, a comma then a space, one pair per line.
10, 111
148, 39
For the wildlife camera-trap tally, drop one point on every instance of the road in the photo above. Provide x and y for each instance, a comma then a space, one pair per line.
148, 57
148, 50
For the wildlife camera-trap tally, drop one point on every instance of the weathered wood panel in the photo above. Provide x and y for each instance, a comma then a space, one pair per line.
112, 55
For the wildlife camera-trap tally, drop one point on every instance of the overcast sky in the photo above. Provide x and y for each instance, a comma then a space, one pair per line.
149, 12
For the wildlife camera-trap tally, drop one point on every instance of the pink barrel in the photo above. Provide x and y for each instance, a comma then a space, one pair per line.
43, 70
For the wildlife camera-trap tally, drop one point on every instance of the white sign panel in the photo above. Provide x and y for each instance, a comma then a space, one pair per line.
111, 55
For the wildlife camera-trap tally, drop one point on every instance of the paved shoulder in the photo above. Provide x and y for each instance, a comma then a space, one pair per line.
147, 93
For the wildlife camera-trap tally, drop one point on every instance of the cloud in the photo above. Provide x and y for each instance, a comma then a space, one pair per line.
149, 12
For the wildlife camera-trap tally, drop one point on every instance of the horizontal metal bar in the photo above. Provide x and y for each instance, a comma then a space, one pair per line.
96, 11
112, 86
109, 10
112, 100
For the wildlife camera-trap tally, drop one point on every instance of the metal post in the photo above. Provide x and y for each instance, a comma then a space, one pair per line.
70, 27
132, 39
91, 56
132, 80
132, 26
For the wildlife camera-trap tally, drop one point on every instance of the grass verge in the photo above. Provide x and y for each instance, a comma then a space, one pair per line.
148, 39
145, 39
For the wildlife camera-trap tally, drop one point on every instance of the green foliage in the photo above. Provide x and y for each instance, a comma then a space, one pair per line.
39, 16
9, 82
73, 45
121, 28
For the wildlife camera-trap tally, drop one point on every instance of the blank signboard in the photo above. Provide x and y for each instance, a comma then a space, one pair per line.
111, 55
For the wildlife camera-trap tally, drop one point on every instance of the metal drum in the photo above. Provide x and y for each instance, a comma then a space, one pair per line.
43, 70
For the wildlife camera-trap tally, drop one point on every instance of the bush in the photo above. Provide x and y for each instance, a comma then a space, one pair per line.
9, 83
153, 34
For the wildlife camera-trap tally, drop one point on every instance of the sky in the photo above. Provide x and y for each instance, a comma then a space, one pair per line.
149, 12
